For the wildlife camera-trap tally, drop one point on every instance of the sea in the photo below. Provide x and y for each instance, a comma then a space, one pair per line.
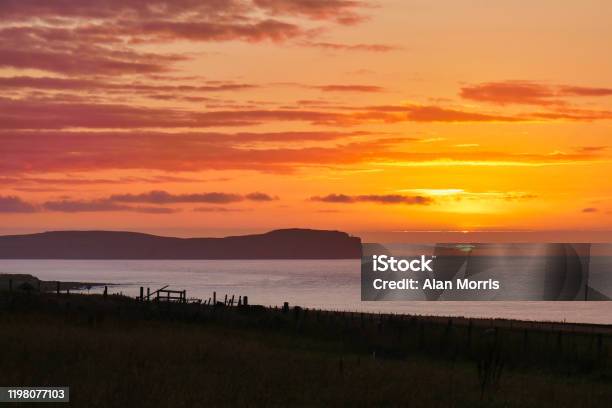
322, 284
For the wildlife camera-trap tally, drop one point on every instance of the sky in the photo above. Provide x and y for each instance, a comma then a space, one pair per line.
387, 118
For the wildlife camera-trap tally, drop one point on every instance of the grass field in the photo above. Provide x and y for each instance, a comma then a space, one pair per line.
122, 353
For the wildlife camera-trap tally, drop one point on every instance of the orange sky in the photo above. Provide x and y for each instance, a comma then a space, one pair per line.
220, 117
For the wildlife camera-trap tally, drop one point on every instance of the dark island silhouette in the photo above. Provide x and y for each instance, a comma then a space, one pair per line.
279, 244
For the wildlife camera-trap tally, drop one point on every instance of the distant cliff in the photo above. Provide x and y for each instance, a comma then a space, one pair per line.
279, 244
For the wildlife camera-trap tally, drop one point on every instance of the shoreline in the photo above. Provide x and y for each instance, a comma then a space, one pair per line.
82, 287
16, 280
51, 288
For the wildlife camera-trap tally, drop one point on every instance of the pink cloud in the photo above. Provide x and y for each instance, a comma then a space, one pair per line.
79, 84
342, 11
80, 37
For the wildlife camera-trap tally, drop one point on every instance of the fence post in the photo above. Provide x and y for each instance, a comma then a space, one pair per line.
225, 300
599, 346
232, 301
285, 307
141, 294
245, 300
214, 298
469, 336
105, 292
148, 294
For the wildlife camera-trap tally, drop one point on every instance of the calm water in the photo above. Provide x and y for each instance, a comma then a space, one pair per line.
325, 284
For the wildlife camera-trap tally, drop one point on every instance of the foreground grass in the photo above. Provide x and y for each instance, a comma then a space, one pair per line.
110, 360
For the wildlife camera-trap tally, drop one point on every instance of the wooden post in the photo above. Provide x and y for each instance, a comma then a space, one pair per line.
245, 300
184, 295
214, 298
285, 307
239, 300
232, 301
57, 287
421, 335
599, 345
225, 300
469, 336
105, 292
141, 294
148, 294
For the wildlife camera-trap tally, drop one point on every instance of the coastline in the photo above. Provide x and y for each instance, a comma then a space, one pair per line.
329, 285
33, 283
49, 289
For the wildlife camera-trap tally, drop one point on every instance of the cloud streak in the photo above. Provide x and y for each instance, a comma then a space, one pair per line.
61, 151
60, 114
590, 210
163, 197
101, 205
350, 88
529, 93
157, 202
374, 198
13, 204
145, 88
352, 47
101, 37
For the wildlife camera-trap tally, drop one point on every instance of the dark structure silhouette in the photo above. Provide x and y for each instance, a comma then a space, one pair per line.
279, 244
